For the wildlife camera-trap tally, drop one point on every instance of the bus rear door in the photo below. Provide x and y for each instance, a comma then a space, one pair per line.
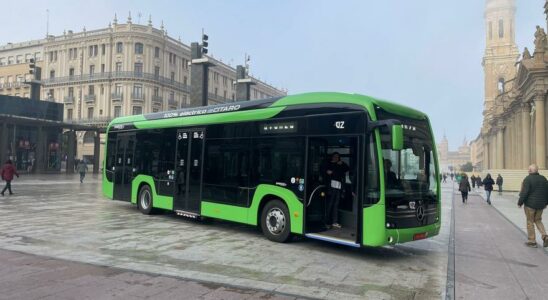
124, 166
188, 171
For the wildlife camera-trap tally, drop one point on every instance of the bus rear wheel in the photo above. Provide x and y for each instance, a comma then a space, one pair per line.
144, 200
275, 221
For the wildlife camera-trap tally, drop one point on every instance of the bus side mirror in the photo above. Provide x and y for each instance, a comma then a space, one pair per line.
397, 137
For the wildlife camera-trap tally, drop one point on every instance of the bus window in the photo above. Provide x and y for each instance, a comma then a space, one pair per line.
372, 173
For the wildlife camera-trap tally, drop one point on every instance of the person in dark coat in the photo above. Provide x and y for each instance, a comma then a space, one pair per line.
336, 173
478, 181
473, 179
534, 195
7, 172
499, 183
464, 188
488, 183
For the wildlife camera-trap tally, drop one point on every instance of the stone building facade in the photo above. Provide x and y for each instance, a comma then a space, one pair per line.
514, 128
452, 160
123, 69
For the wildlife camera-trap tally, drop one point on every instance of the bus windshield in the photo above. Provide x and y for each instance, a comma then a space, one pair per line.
410, 173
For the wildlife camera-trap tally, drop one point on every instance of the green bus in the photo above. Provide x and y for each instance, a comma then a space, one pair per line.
263, 163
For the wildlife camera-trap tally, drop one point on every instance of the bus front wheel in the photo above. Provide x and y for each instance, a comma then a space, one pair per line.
144, 201
275, 221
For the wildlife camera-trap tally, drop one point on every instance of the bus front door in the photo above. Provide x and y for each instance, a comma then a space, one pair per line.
188, 171
123, 167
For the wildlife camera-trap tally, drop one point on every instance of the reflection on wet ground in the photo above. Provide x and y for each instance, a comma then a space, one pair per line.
55, 215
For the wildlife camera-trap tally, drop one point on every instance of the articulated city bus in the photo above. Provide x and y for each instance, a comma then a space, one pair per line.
263, 163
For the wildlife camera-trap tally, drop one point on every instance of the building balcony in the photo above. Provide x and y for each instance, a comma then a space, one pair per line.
172, 102
68, 99
90, 98
117, 97
140, 97
157, 100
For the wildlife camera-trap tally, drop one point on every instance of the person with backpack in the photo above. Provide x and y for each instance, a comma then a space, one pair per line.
464, 188
488, 183
7, 172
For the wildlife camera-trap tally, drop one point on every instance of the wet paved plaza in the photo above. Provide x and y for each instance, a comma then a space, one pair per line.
56, 216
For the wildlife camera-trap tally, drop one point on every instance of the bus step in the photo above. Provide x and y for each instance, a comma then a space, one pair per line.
187, 214
332, 240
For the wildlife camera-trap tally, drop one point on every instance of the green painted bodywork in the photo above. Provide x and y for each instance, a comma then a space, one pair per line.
374, 232
159, 201
251, 215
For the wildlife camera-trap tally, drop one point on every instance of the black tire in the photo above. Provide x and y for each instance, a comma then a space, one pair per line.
276, 221
144, 200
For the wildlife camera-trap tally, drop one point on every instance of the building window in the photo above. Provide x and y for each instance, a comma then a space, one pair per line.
91, 70
91, 90
138, 48
224, 94
216, 91
138, 68
52, 74
119, 47
2, 61
138, 91
172, 96
156, 91
185, 80
137, 110
157, 52
118, 89
90, 113
102, 89
172, 77
154, 110
156, 72
102, 68
51, 94
500, 85
103, 49
93, 50
69, 114
71, 72
117, 111
118, 67
10, 60
490, 30
501, 28
71, 92
185, 100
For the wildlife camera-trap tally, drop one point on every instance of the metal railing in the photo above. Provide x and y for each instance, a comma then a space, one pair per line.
137, 96
157, 99
90, 98
117, 97
172, 102
117, 75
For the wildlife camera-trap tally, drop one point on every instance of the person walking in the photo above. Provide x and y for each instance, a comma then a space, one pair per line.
7, 172
444, 178
534, 195
82, 168
499, 183
473, 179
478, 181
464, 188
488, 186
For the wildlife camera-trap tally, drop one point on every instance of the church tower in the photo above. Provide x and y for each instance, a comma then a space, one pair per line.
501, 51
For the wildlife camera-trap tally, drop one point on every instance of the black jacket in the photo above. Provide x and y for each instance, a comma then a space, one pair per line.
534, 191
488, 183
464, 185
499, 180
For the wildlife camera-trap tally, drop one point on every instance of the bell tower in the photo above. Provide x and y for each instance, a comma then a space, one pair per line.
501, 51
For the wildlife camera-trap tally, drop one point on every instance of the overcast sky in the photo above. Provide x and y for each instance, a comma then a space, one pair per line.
424, 53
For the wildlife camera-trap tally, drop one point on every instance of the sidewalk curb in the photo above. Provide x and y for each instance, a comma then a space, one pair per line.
450, 285
514, 224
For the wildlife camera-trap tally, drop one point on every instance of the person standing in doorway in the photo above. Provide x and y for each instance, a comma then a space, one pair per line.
534, 195
464, 188
499, 184
82, 168
336, 174
7, 172
488, 186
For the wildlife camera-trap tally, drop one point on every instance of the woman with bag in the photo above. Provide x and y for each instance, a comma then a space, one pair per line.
464, 188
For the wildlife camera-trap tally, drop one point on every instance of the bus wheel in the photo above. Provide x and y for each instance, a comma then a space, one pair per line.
275, 221
144, 201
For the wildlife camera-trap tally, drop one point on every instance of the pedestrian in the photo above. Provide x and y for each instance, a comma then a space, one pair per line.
473, 179
444, 177
7, 172
488, 186
499, 183
464, 188
82, 168
479, 181
452, 175
534, 195
335, 172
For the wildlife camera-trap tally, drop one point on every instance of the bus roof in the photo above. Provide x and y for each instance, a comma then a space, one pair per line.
272, 106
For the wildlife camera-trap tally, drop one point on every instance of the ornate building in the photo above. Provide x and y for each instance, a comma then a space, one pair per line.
123, 69
514, 127
452, 160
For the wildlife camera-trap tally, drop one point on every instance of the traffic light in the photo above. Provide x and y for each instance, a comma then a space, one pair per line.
32, 66
204, 43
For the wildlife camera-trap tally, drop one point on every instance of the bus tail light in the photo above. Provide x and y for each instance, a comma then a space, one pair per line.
420, 236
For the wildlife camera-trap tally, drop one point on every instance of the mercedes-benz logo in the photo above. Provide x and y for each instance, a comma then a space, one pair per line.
420, 213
